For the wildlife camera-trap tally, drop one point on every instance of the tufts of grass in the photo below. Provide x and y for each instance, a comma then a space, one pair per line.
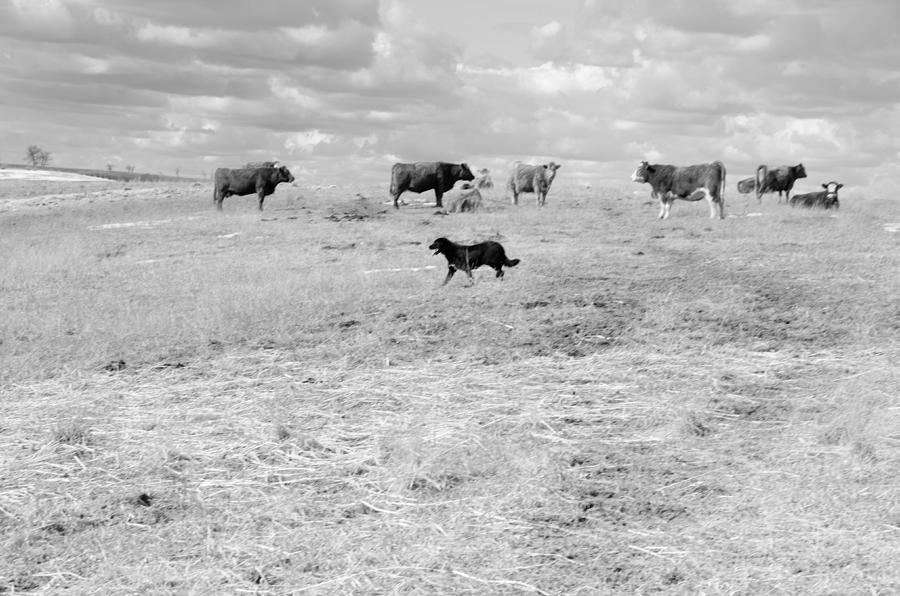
639, 407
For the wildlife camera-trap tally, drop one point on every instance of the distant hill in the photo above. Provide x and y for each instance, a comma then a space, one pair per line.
109, 174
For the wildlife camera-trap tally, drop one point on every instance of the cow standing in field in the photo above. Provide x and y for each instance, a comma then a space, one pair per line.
826, 199
245, 181
690, 183
427, 175
778, 180
483, 179
528, 178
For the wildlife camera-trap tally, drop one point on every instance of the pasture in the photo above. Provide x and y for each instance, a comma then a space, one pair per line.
290, 403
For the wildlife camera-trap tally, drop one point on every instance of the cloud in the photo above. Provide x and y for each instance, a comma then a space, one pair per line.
327, 83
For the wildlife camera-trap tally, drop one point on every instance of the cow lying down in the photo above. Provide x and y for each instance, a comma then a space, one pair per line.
464, 196
826, 199
466, 258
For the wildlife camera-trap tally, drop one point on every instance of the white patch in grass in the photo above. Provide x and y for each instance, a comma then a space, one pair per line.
400, 269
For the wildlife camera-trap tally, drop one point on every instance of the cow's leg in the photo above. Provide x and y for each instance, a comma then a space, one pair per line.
262, 197
500, 273
397, 202
450, 271
662, 206
438, 194
217, 199
515, 196
711, 201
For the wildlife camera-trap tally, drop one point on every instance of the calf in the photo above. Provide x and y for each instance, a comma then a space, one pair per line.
778, 180
528, 178
690, 183
427, 175
471, 257
245, 181
826, 199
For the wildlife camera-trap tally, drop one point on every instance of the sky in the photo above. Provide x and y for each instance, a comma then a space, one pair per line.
341, 89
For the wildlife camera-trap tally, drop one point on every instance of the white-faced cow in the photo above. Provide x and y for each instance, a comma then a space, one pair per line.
780, 180
524, 177
690, 183
245, 181
427, 175
826, 199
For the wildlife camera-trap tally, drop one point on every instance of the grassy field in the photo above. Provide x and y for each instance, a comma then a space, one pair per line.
290, 403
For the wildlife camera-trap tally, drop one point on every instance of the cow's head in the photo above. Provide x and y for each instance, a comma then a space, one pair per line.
642, 172
465, 173
284, 174
799, 171
551, 168
831, 193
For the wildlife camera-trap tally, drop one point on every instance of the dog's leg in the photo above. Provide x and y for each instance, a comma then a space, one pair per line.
500, 273
450, 271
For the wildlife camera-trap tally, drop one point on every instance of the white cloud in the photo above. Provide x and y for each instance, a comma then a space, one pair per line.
306, 141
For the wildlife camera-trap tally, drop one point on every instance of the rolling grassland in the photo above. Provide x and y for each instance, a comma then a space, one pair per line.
290, 403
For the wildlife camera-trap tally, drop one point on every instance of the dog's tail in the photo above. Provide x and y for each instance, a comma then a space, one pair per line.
512, 262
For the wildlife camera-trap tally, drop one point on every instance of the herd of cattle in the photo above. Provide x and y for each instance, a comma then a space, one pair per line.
667, 183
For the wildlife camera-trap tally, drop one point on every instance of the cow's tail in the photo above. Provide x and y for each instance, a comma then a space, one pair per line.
762, 172
721, 190
394, 181
511, 262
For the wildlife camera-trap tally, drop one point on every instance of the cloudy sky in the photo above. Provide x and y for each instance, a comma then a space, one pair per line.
341, 89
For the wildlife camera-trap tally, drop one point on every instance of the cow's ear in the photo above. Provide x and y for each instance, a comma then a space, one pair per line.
825, 186
649, 168
839, 186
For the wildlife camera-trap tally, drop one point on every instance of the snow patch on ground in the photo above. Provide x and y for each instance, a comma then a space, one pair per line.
46, 175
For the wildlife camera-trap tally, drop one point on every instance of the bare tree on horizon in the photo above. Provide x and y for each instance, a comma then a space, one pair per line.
37, 156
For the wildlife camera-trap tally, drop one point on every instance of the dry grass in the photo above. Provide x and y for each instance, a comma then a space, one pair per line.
290, 404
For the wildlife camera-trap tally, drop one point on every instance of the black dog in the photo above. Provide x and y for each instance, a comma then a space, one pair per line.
471, 257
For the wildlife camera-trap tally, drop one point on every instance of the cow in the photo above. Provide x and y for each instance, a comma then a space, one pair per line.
427, 175
672, 182
483, 180
528, 178
245, 181
826, 199
463, 197
746, 186
778, 180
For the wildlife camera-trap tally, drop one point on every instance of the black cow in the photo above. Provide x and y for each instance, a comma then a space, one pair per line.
245, 181
427, 175
780, 180
826, 199
672, 182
